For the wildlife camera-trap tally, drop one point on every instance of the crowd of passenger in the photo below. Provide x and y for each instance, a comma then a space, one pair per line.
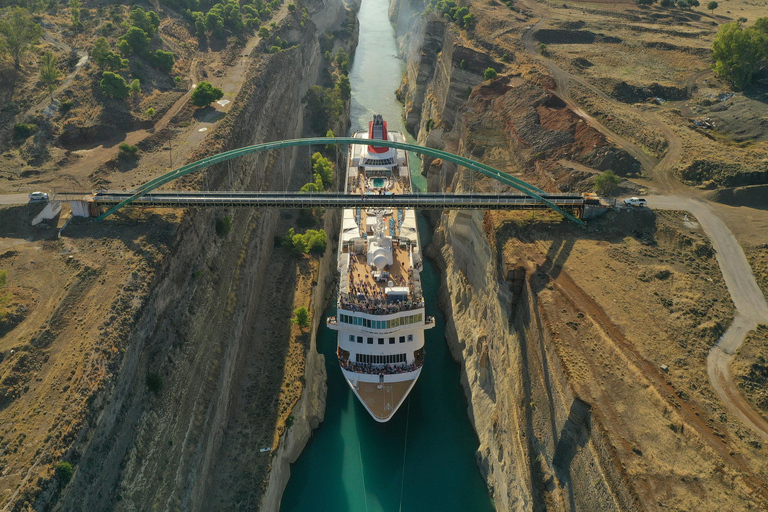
379, 306
378, 369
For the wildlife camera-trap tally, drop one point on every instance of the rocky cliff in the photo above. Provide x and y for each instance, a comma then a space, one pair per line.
159, 449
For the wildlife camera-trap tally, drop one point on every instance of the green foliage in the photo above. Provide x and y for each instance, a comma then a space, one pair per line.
712, 6
18, 31
667, 3
322, 167
323, 106
463, 64
205, 94
606, 183
105, 58
65, 105
449, 9
150, 113
49, 71
644, 2
739, 52
292, 7
113, 86
223, 226
3, 278
264, 33
154, 382
128, 150
146, 21
301, 317
490, 74
74, 13
163, 60
24, 130
64, 472
314, 241
345, 89
135, 41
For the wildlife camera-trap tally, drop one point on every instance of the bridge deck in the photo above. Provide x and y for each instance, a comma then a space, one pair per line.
331, 200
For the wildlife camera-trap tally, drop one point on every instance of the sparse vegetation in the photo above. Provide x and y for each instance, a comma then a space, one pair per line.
154, 382
606, 183
49, 72
128, 150
223, 226
64, 472
301, 317
24, 130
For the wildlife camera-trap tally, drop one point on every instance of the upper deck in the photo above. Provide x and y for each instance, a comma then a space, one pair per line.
379, 254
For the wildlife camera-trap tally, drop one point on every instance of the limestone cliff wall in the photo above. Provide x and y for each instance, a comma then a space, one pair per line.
147, 451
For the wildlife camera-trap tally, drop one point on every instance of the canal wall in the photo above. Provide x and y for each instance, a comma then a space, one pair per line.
145, 450
540, 447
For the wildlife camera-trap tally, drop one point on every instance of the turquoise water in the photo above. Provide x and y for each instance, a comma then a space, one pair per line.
423, 459
378, 182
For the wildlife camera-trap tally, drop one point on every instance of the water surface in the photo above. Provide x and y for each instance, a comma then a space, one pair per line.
424, 458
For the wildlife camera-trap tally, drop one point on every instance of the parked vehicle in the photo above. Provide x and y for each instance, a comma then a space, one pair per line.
38, 196
635, 201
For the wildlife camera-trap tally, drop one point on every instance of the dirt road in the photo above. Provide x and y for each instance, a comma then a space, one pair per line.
750, 303
751, 306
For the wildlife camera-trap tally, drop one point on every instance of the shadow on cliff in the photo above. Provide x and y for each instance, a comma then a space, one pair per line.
573, 437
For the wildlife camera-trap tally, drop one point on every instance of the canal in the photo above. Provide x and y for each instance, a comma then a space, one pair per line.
424, 458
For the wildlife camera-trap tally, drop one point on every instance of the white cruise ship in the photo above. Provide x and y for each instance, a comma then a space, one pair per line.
380, 319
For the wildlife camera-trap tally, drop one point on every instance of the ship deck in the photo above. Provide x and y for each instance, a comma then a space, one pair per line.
382, 402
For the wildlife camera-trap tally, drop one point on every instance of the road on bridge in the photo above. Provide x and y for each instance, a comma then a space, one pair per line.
11, 199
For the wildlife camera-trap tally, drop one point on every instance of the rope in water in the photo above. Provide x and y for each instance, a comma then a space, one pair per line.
362, 473
405, 447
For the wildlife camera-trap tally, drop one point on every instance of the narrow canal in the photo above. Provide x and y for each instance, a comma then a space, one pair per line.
423, 459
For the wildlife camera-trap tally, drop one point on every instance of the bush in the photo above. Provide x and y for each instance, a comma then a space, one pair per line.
223, 226
64, 472
314, 241
490, 74
738, 52
154, 382
163, 60
205, 94
301, 317
113, 85
24, 130
128, 150
606, 183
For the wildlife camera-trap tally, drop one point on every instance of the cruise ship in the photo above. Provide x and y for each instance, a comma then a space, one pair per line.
380, 311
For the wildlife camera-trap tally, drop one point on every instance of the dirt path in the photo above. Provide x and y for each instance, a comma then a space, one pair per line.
750, 303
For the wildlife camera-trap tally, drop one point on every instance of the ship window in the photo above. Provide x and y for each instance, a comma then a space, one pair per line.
370, 341
351, 338
410, 337
391, 341
389, 324
402, 339
368, 323
381, 341
359, 339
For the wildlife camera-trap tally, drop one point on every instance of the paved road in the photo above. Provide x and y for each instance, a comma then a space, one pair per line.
751, 306
6, 199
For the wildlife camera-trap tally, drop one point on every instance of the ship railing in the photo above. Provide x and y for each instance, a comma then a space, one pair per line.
380, 369
331, 320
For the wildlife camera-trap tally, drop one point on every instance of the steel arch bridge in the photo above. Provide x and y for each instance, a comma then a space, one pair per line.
486, 170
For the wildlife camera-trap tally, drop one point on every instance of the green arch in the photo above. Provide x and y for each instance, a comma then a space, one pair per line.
486, 170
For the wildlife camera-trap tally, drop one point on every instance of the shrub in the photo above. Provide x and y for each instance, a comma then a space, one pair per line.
137, 41
113, 85
739, 52
301, 317
490, 74
66, 105
606, 183
24, 130
64, 472
128, 150
292, 7
154, 382
205, 94
223, 226
163, 60
264, 33
150, 113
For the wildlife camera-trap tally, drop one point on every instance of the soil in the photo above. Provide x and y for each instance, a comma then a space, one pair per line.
633, 306
750, 369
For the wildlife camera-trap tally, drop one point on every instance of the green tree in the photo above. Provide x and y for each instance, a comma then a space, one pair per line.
323, 167
137, 40
301, 317
490, 74
74, 13
49, 71
100, 50
113, 85
712, 6
135, 89
738, 52
606, 183
264, 33
163, 60
18, 32
147, 21
345, 89
205, 94
64, 472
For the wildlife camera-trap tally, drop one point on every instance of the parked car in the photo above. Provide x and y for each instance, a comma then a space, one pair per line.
635, 201
38, 196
